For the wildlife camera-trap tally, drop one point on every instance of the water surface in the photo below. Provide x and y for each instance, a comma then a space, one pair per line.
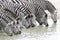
37, 33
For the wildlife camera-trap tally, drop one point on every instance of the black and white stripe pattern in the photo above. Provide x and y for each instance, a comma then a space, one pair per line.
18, 11
9, 24
18, 2
15, 8
35, 9
24, 9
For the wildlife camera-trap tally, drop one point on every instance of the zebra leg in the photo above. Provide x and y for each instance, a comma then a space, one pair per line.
52, 10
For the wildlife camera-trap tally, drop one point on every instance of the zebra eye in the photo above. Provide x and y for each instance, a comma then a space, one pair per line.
17, 22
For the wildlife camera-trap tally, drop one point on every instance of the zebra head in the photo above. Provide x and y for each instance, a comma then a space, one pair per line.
44, 20
31, 19
12, 28
16, 28
41, 16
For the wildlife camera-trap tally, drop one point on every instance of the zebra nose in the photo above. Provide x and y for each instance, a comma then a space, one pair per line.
47, 25
33, 25
19, 32
41, 23
46, 15
55, 21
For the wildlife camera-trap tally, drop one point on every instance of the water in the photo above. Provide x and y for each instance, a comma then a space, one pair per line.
37, 33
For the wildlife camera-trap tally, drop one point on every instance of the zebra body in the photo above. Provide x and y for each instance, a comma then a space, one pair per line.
32, 7
9, 25
44, 4
31, 19
16, 9
23, 3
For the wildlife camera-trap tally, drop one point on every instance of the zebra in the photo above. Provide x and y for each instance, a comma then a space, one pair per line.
18, 9
46, 5
13, 8
8, 24
31, 20
32, 8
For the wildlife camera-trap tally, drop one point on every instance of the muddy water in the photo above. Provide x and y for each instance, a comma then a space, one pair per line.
37, 33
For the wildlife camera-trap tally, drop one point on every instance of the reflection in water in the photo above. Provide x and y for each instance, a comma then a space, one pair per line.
38, 33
